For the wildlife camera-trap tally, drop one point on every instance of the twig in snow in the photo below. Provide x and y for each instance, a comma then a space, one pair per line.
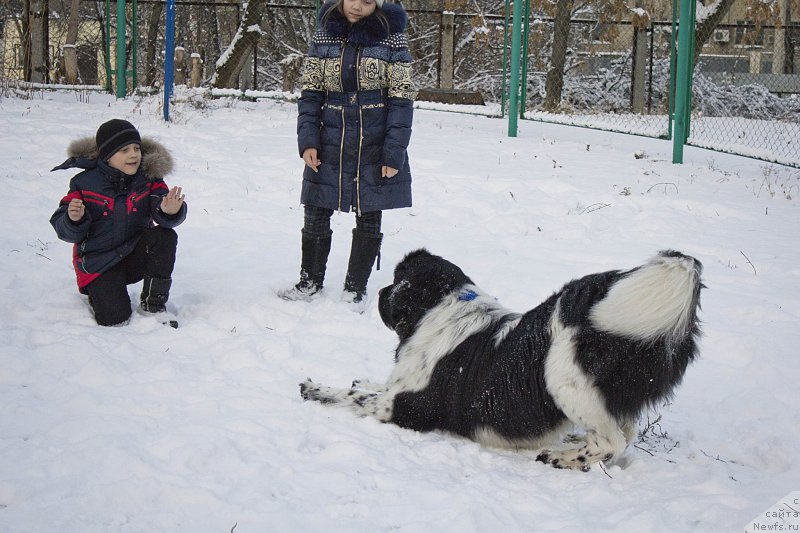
234, 526
42, 255
646, 451
594, 207
748, 261
603, 468
715, 458
665, 186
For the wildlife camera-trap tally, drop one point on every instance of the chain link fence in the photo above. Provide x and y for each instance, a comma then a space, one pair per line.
601, 64
746, 93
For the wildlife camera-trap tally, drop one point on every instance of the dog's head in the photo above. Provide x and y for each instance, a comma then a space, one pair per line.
421, 280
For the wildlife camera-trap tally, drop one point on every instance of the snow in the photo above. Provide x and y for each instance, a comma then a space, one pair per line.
147, 428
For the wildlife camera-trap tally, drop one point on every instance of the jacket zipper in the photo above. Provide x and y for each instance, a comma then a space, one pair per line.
341, 161
360, 135
341, 142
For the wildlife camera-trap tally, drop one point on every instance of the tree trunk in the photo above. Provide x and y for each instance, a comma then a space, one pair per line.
779, 54
150, 52
554, 83
705, 28
70, 50
37, 60
235, 56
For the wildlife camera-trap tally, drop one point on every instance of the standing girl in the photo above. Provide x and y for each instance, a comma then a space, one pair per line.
353, 129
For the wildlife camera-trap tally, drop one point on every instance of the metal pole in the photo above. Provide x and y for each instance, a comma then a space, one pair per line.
513, 97
121, 89
682, 84
169, 55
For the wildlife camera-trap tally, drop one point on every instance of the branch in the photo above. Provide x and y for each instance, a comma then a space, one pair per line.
750, 263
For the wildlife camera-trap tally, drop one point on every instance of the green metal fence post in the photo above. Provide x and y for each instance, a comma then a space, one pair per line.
513, 97
121, 89
683, 81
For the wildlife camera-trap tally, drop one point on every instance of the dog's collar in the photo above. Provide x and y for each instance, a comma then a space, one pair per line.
468, 295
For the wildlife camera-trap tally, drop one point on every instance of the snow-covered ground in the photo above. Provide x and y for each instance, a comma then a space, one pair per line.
147, 428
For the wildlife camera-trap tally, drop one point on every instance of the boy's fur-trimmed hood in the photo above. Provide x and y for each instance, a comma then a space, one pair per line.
157, 162
368, 31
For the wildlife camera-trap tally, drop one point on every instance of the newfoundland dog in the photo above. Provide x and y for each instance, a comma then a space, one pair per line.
591, 357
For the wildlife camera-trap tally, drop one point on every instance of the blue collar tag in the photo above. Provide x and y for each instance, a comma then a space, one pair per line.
467, 296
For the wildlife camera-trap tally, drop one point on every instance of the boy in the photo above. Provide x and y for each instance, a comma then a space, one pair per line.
109, 214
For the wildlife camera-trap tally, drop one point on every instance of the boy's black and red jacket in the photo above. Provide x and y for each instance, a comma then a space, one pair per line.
118, 207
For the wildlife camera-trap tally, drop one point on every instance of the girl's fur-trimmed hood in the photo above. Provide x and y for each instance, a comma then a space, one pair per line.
368, 31
157, 162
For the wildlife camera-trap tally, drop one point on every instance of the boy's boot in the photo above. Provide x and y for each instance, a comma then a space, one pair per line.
363, 251
155, 293
315, 250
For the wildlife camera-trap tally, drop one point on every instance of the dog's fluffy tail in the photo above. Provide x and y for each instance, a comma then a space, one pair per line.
656, 300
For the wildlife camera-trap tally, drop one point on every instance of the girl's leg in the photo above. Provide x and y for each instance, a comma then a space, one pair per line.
369, 223
316, 245
317, 221
364, 250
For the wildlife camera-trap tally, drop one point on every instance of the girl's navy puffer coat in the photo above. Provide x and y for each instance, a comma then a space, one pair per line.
118, 207
356, 109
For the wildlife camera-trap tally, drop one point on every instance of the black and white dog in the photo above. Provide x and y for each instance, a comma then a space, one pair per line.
593, 356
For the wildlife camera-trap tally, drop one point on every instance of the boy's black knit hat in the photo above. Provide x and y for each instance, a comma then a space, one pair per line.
113, 135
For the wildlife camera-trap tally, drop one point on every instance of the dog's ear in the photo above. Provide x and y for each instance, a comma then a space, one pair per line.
422, 252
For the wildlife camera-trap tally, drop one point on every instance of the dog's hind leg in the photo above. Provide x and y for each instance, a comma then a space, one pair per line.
361, 402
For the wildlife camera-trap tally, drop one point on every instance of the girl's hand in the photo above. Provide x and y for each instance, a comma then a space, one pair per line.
310, 157
76, 210
173, 201
388, 172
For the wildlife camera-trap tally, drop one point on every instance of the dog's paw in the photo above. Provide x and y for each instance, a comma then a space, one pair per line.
310, 391
577, 459
318, 393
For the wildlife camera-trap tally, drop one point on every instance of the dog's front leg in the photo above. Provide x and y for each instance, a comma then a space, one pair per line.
599, 446
361, 402
583, 404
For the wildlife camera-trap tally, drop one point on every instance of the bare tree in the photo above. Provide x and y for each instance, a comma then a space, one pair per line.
151, 51
35, 41
706, 25
235, 57
554, 83
70, 51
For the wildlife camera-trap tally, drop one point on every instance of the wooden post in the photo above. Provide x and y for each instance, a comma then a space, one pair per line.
641, 22
447, 52
180, 65
755, 62
197, 70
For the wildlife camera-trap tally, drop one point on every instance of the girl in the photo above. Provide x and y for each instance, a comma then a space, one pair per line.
353, 129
